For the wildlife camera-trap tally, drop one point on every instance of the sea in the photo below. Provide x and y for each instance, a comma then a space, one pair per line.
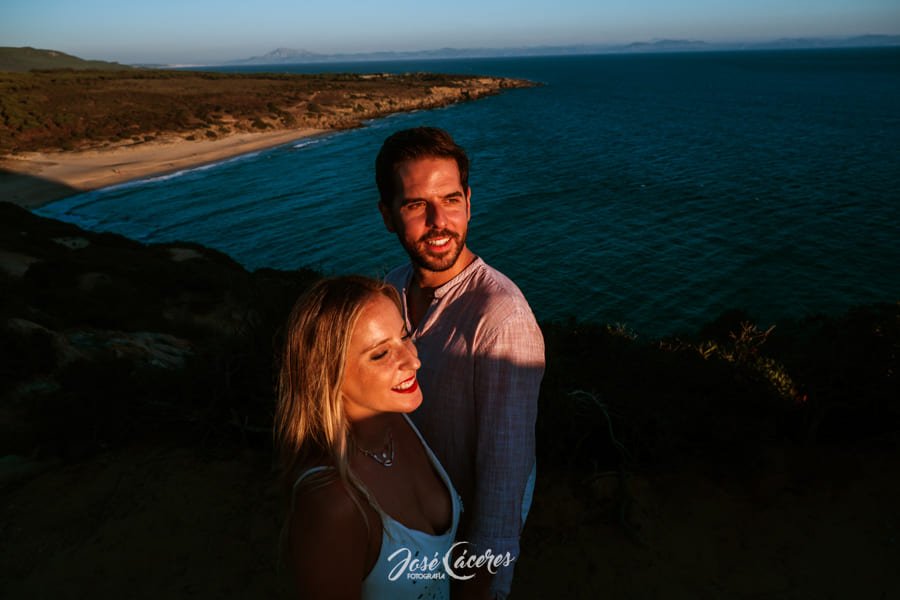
646, 191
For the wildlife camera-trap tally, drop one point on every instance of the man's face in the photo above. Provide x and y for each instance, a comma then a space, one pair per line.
429, 212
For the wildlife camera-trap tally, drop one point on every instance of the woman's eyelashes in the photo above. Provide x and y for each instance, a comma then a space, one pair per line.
404, 337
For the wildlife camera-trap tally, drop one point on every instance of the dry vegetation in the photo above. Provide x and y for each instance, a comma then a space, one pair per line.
74, 110
22, 60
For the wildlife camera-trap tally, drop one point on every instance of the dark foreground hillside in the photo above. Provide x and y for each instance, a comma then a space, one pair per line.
136, 400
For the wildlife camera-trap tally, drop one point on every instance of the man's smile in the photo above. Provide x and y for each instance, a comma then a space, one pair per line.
439, 240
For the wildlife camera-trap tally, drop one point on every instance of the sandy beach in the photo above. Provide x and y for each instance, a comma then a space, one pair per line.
31, 179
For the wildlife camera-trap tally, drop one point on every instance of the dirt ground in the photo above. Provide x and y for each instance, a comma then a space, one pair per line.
170, 522
806, 523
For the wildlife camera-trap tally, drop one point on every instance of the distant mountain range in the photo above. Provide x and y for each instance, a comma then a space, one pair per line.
21, 60
293, 56
27, 58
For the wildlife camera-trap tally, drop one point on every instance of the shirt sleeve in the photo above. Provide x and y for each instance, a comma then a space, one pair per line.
508, 371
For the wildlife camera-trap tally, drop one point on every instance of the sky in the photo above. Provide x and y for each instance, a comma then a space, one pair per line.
197, 31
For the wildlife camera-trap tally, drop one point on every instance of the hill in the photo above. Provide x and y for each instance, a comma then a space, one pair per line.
290, 56
22, 60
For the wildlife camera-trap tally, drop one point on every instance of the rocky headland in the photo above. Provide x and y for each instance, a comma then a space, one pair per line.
65, 131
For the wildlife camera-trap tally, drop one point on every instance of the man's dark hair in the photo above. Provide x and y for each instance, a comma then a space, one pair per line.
412, 144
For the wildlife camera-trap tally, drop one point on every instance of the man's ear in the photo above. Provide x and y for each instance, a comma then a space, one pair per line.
468, 204
386, 216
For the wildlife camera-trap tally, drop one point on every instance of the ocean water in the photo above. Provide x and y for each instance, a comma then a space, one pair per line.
653, 191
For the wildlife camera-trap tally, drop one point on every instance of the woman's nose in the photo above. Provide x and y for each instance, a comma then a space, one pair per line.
412, 356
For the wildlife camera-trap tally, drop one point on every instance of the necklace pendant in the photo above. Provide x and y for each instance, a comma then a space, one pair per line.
385, 457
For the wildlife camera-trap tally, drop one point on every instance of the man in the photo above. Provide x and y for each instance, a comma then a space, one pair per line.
481, 349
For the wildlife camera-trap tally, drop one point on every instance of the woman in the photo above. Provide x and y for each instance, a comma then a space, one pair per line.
369, 500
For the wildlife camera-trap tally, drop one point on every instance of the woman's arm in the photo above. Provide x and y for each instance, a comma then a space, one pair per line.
331, 551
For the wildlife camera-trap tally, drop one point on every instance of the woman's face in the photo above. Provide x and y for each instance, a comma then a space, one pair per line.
380, 374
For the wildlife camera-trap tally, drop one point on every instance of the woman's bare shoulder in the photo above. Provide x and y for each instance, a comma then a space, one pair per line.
328, 504
329, 541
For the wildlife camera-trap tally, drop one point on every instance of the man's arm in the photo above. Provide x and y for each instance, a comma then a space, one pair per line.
508, 371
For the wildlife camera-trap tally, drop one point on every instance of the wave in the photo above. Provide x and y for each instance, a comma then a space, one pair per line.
307, 143
134, 183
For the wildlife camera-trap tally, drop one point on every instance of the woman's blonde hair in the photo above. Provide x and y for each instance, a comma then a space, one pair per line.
311, 427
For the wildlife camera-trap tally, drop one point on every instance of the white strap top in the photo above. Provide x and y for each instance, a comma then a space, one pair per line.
388, 580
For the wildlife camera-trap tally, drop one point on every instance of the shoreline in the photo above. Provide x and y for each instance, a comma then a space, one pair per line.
34, 179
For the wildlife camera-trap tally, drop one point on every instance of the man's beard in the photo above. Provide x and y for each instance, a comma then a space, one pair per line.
420, 252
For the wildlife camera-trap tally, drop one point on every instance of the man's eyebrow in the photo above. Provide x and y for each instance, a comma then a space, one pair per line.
411, 199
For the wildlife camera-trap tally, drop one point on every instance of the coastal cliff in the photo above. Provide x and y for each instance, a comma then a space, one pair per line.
104, 338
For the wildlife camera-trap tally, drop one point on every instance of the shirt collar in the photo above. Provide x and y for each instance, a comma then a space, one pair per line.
461, 277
